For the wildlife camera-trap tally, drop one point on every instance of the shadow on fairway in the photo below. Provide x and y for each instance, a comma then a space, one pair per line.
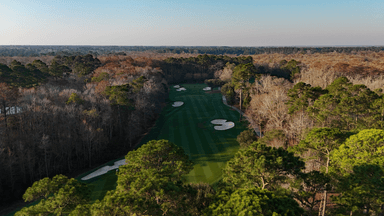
204, 160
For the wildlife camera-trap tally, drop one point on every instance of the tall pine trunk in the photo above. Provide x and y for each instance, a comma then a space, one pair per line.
240, 104
325, 191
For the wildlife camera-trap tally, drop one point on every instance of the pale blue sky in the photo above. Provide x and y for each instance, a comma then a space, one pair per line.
192, 23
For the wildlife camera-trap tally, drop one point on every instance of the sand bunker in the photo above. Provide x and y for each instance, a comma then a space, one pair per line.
218, 121
223, 124
181, 89
177, 103
176, 86
207, 88
104, 170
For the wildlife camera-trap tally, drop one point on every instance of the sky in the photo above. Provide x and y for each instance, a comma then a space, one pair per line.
192, 22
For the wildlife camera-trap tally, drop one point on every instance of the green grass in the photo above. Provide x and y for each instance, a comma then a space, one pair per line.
101, 184
189, 127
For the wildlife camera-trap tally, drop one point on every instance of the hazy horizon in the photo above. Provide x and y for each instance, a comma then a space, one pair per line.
198, 23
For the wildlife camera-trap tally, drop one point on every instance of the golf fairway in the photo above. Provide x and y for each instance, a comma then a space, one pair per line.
189, 126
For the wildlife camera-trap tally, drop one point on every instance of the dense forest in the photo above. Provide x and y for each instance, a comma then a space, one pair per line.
75, 112
320, 152
34, 51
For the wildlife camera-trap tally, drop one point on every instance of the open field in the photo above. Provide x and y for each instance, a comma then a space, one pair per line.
190, 127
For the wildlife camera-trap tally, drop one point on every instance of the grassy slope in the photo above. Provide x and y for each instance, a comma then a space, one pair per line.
188, 126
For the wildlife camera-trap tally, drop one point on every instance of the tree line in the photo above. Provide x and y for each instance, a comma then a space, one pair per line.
197, 69
33, 51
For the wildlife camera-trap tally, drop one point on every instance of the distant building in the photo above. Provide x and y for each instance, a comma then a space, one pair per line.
11, 110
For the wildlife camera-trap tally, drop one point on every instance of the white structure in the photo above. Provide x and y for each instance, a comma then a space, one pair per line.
11, 110
177, 103
223, 124
176, 86
104, 170
207, 88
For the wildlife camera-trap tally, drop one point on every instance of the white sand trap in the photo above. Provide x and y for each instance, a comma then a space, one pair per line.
181, 89
176, 86
207, 88
218, 121
223, 124
104, 170
177, 103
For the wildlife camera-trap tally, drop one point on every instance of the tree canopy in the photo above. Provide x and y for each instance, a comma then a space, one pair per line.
253, 201
261, 166
363, 148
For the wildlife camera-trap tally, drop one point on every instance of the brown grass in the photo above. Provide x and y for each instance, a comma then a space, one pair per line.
321, 69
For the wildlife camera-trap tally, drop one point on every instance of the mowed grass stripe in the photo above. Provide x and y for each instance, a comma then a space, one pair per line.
214, 101
206, 138
180, 139
208, 100
187, 130
171, 135
195, 129
215, 159
201, 102
196, 104
205, 133
186, 139
199, 144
